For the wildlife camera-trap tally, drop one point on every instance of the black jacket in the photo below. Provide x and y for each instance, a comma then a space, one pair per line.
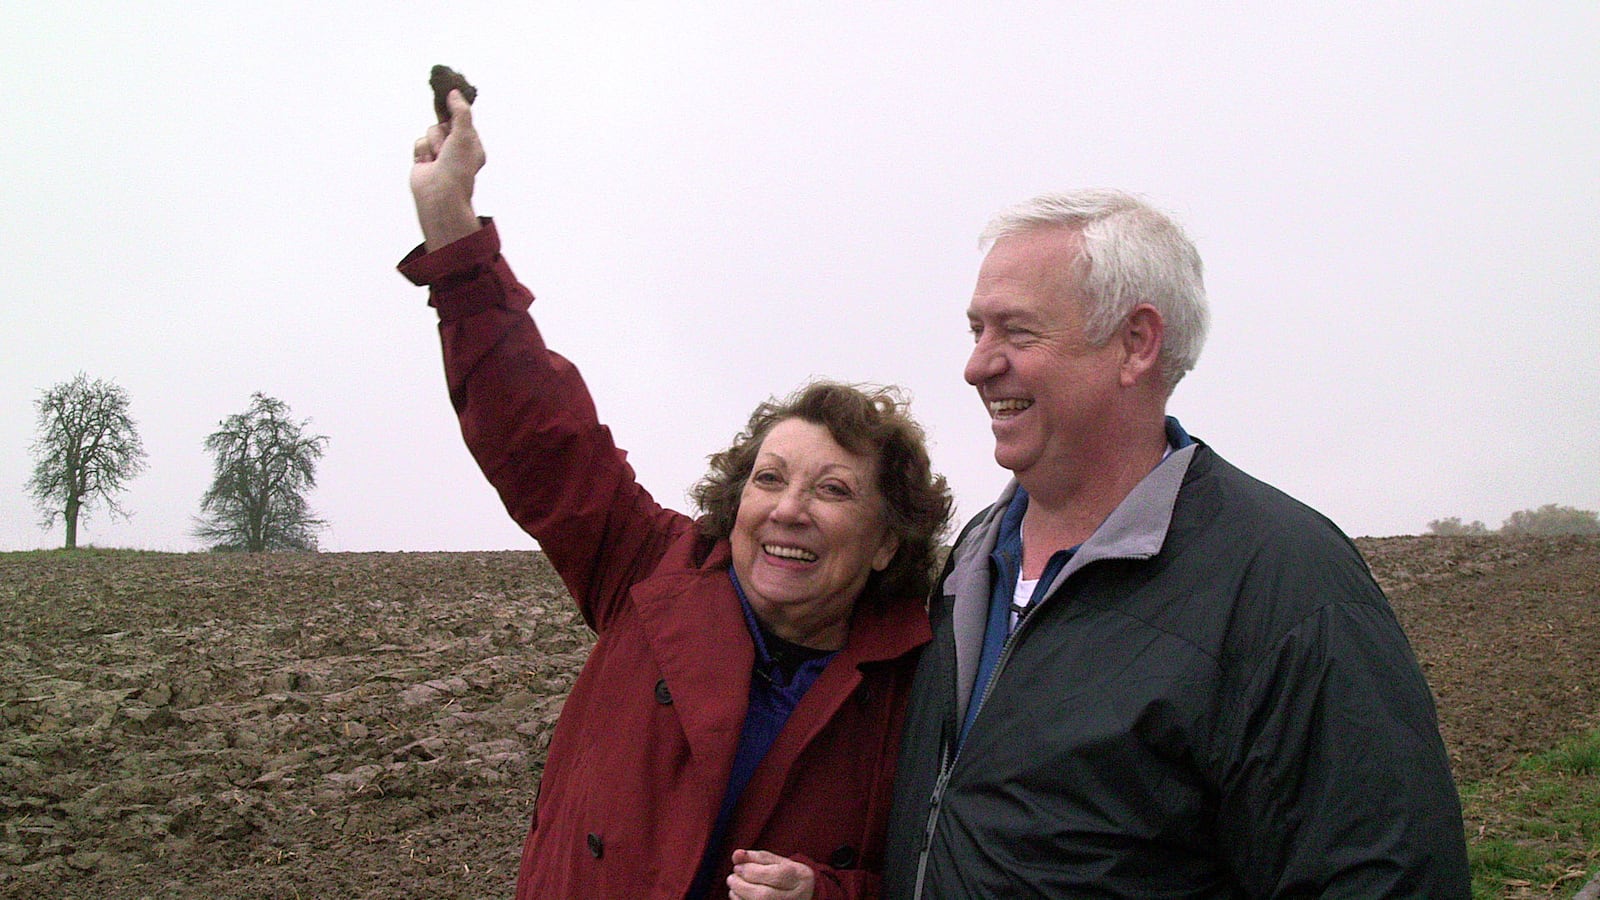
1214, 700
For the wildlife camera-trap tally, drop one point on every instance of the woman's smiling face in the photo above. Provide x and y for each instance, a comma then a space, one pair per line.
811, 528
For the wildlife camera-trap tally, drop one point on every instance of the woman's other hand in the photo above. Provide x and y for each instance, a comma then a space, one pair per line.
759, 875
445, 164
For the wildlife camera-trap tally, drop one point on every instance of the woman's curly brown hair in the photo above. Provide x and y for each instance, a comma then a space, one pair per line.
869, 421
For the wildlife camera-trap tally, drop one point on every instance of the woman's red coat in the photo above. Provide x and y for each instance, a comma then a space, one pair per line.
642, 753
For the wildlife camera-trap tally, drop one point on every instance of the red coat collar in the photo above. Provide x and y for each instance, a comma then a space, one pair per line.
693, 624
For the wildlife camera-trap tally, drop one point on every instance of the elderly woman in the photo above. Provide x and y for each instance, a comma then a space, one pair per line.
736, 727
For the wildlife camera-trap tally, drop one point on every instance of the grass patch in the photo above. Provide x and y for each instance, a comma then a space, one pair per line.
82, 551
1580, 756
1534, 831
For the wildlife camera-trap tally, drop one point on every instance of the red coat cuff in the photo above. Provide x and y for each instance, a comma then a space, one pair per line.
453, 260
468, 276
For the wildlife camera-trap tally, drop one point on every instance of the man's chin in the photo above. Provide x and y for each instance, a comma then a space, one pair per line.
1010, 459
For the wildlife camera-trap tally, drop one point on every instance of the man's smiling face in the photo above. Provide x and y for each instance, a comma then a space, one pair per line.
1046, 389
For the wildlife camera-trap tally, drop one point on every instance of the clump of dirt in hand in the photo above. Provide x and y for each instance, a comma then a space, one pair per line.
443, 79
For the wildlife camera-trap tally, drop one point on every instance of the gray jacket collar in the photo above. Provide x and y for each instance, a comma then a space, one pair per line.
1136, 529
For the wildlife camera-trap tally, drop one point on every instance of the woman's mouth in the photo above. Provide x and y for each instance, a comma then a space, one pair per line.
796, 553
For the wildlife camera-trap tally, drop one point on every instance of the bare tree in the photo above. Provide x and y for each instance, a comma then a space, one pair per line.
264, 464
87, 447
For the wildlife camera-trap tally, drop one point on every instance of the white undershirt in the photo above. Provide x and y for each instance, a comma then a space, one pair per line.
1021, 597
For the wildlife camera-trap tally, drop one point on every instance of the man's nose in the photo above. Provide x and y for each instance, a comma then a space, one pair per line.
985, 362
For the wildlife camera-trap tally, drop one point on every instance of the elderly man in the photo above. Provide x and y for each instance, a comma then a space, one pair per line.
1152, 675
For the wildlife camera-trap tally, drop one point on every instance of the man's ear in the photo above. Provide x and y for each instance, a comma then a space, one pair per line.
1141, 335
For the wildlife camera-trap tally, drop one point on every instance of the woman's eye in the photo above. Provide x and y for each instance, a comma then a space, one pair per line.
766, 479
834, 490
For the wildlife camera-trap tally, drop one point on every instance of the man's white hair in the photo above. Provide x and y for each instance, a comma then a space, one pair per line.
1132, 253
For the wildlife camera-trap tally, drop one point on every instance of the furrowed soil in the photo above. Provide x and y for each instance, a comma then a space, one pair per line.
373, 725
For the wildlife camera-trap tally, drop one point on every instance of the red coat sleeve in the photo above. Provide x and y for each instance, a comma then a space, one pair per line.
530, 423
842, 884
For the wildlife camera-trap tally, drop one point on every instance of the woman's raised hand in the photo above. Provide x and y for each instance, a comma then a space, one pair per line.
445, 164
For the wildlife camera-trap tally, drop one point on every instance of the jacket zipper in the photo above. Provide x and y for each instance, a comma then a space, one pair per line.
949, 763
946, 766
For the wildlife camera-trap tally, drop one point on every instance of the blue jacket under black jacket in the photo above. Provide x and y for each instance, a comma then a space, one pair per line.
1214, 700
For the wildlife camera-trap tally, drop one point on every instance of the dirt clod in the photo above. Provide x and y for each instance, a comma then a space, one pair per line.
443, 79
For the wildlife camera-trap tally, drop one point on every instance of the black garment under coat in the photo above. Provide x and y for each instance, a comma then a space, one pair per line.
1214, 700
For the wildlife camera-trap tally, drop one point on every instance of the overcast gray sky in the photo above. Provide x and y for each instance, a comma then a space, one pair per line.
1396, 203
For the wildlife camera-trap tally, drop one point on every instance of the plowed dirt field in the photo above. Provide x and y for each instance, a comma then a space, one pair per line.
373, 725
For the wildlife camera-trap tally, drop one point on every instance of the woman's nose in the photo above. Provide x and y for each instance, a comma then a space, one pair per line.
791, 504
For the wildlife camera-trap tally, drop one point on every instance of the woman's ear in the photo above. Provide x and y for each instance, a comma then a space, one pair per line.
889, 546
